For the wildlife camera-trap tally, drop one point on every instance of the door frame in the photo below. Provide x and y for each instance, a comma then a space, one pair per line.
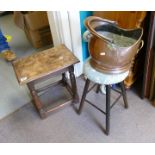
65, 28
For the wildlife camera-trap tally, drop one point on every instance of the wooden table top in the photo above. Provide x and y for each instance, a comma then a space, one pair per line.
43, 63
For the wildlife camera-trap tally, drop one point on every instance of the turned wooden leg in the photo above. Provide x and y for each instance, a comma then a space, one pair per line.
73, 83
124, 94
37, 103
64, 79
84, 95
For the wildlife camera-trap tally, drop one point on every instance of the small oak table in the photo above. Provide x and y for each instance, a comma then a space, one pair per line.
43, 65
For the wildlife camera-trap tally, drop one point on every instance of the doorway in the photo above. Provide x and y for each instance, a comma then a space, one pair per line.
14, 96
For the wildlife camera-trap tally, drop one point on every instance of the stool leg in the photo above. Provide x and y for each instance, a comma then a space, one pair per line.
84, 95
37, 103
124, 94
64, 79
98, 88
107, 109
73, 83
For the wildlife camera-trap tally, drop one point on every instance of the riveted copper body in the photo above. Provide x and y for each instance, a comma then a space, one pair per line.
106, 56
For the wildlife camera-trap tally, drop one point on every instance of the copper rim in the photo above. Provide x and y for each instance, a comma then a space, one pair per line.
102, 69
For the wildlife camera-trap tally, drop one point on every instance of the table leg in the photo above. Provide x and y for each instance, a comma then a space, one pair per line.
37, 103
64, 79
73, 83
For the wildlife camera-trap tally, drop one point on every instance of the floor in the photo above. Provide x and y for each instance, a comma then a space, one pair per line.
14, 96
135, 124
13, 92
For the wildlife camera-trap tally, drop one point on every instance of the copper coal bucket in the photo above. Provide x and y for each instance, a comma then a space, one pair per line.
111, 47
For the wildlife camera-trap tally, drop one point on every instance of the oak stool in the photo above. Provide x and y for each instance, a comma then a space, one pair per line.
42, 66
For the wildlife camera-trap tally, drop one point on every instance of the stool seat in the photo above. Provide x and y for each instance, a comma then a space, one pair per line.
102, 78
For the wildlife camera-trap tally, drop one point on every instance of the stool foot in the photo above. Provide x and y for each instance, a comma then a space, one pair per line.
107, 132
42, 113
84, 95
